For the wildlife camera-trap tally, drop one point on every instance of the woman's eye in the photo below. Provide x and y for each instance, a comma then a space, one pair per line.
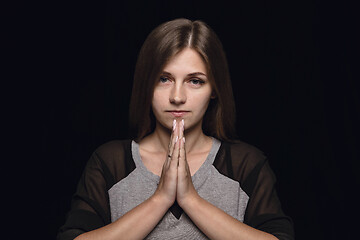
197, 81
164, 79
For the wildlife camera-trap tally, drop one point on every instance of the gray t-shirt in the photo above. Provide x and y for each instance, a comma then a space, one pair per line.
211, 185
236, 177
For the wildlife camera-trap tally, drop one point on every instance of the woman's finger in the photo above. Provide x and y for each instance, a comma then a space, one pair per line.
185, 187
168, 179
171, 145
172, 138
182, 155
175, 155
181, 137
178, 135
183, 165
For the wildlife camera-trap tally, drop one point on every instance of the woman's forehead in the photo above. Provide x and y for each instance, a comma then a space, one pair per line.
186, 61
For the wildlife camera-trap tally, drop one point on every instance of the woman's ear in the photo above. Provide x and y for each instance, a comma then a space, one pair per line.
213, 95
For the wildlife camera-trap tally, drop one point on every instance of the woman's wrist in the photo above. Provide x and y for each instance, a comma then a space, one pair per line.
161, 200
190, 202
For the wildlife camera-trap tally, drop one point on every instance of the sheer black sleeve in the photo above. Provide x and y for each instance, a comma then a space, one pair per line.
264, 209
248, 165
90, 203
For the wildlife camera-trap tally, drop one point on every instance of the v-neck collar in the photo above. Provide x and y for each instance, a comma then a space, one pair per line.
135, 150
198, 178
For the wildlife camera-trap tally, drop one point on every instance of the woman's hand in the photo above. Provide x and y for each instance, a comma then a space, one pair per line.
175, 180
168, 179
185, 188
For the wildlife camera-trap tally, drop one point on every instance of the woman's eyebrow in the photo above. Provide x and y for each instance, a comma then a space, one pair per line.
196, 73
190, 74
166, 73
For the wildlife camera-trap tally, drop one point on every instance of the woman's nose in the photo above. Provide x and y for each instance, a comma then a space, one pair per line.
177, 94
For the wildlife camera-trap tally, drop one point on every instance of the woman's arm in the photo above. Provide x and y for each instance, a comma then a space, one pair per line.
212, 221
141, 220
216, 224
135, 224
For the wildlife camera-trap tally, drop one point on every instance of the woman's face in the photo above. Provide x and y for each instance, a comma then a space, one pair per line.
183, 91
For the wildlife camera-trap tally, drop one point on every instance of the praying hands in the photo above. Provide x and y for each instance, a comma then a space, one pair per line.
175, 181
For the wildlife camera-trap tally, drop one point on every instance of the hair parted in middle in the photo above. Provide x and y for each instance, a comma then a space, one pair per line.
160, 46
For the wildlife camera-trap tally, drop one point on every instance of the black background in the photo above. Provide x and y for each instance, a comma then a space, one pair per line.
292, 65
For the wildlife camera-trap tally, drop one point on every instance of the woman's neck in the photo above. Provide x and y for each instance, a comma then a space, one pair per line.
196, 140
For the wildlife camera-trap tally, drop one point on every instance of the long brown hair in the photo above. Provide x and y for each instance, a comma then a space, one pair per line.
164, 42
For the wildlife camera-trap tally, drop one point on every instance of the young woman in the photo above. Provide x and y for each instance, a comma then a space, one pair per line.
183, 176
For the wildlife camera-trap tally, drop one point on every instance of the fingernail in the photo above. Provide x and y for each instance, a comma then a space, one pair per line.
183, 139
174, 125
176, 139
183, 124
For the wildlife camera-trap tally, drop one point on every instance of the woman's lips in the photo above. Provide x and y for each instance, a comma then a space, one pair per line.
178, 113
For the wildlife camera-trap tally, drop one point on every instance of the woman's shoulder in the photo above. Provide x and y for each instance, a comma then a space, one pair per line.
244, 158
114, 158
114, 146
245, 150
